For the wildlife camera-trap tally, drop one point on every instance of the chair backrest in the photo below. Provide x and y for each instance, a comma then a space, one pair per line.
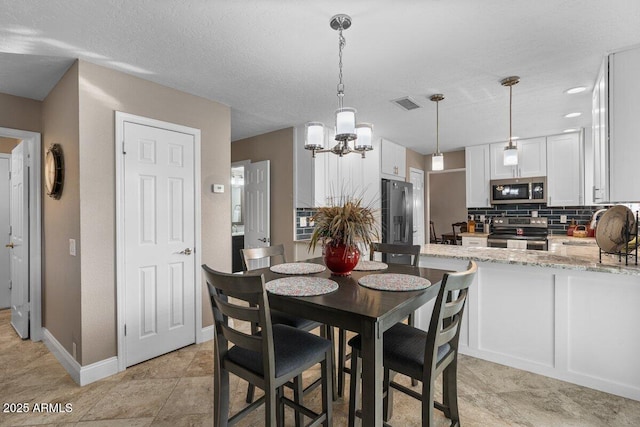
462, 227
393, 249
242, 288
275, 254
432, 233
446, 318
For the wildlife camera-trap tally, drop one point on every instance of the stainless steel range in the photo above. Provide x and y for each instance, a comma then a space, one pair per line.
519, 233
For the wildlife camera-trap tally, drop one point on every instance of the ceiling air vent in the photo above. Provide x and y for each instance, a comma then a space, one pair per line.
406, 103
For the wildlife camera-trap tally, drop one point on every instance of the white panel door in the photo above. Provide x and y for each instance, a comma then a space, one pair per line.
159, 239
20, 240
5, 251
257, 231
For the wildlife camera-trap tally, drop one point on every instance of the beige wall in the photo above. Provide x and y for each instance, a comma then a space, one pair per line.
20, 113
61, 288
447, 197
446, 201
414, 160
277, 147
79, 303
8, 144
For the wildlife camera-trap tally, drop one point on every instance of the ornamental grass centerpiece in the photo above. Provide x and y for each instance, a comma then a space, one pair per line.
340, 228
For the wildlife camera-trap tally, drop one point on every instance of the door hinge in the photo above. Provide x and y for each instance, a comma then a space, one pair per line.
10, 284
26, 307
123, 150
125, 330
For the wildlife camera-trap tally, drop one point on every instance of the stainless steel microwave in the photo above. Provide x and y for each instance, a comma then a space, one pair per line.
518, 190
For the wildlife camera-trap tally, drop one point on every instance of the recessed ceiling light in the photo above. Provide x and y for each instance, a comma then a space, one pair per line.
570, 130
570, 115
577, 89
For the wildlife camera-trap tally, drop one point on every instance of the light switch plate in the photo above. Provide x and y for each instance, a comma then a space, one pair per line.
303, 221
563, 219
72, 247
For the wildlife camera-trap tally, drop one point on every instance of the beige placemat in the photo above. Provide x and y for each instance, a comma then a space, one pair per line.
366, 265
394, 282
297, 268
301, 286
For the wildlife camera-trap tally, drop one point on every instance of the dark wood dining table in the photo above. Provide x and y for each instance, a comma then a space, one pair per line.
366, 311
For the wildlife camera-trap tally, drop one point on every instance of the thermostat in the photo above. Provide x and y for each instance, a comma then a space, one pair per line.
217, 188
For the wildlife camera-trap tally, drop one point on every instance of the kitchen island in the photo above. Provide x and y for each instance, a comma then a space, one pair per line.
558, 313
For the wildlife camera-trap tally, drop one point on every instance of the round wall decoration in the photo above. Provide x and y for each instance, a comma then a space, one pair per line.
54, 171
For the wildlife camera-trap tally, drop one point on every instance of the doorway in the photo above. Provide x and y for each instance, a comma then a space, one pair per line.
158, 237
447, 199
26, 278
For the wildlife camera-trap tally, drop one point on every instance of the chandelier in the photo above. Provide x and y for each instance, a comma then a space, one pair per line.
437, 160
511, 150
350, 137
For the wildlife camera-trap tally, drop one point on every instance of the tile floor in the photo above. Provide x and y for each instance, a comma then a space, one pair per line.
176, 390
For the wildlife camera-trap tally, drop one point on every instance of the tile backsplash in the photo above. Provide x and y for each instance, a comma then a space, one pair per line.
581, 214
303, 227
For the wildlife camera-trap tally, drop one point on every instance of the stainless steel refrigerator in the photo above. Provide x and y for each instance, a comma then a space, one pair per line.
397, 217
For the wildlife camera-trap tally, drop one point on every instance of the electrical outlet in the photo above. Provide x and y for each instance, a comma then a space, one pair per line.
217, 188
563, 219
72, 247
303, 221
534, 214
74, 350
482, 218
311, 223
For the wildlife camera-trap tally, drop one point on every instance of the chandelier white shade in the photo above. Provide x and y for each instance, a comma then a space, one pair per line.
364, 137
437, 160
511, 150
350, 137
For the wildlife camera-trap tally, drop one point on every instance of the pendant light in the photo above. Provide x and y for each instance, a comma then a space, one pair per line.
437, 160
511, 150
346, 129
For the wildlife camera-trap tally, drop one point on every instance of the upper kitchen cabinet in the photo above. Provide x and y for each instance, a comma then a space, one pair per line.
393, 161
477, 165
616, 128
565, 171
532, 159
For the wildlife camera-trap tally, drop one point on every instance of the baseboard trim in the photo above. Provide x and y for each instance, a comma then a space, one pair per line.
82, 375
206, 334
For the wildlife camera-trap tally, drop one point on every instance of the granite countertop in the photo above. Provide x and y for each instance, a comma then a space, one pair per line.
578, 254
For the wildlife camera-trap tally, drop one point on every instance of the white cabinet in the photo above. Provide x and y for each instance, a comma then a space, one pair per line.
624, 126
565, 171
532, 159
474, 242
393, 160
616, 108
477, 165
600, 138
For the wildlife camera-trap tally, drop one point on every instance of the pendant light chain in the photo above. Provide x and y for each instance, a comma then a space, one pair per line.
437, 127
341, 44
510, 109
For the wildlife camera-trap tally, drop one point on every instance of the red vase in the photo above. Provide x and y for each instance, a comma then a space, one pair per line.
341, 260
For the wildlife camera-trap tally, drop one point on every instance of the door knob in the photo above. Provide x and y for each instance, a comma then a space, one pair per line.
185, 252
10, 245
263, 240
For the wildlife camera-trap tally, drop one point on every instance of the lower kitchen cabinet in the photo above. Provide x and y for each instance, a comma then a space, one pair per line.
576, 326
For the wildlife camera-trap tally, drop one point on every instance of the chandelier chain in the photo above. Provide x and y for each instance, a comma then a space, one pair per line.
341, 44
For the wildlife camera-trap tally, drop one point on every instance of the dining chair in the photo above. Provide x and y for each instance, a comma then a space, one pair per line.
270, 359
385, 248
433, 238
423, 355
276, 255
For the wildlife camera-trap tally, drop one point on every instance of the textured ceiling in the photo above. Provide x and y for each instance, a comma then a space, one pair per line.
275, 62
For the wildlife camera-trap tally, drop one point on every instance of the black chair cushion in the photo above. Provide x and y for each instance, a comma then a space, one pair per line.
293, 349
404, 349
281, 318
